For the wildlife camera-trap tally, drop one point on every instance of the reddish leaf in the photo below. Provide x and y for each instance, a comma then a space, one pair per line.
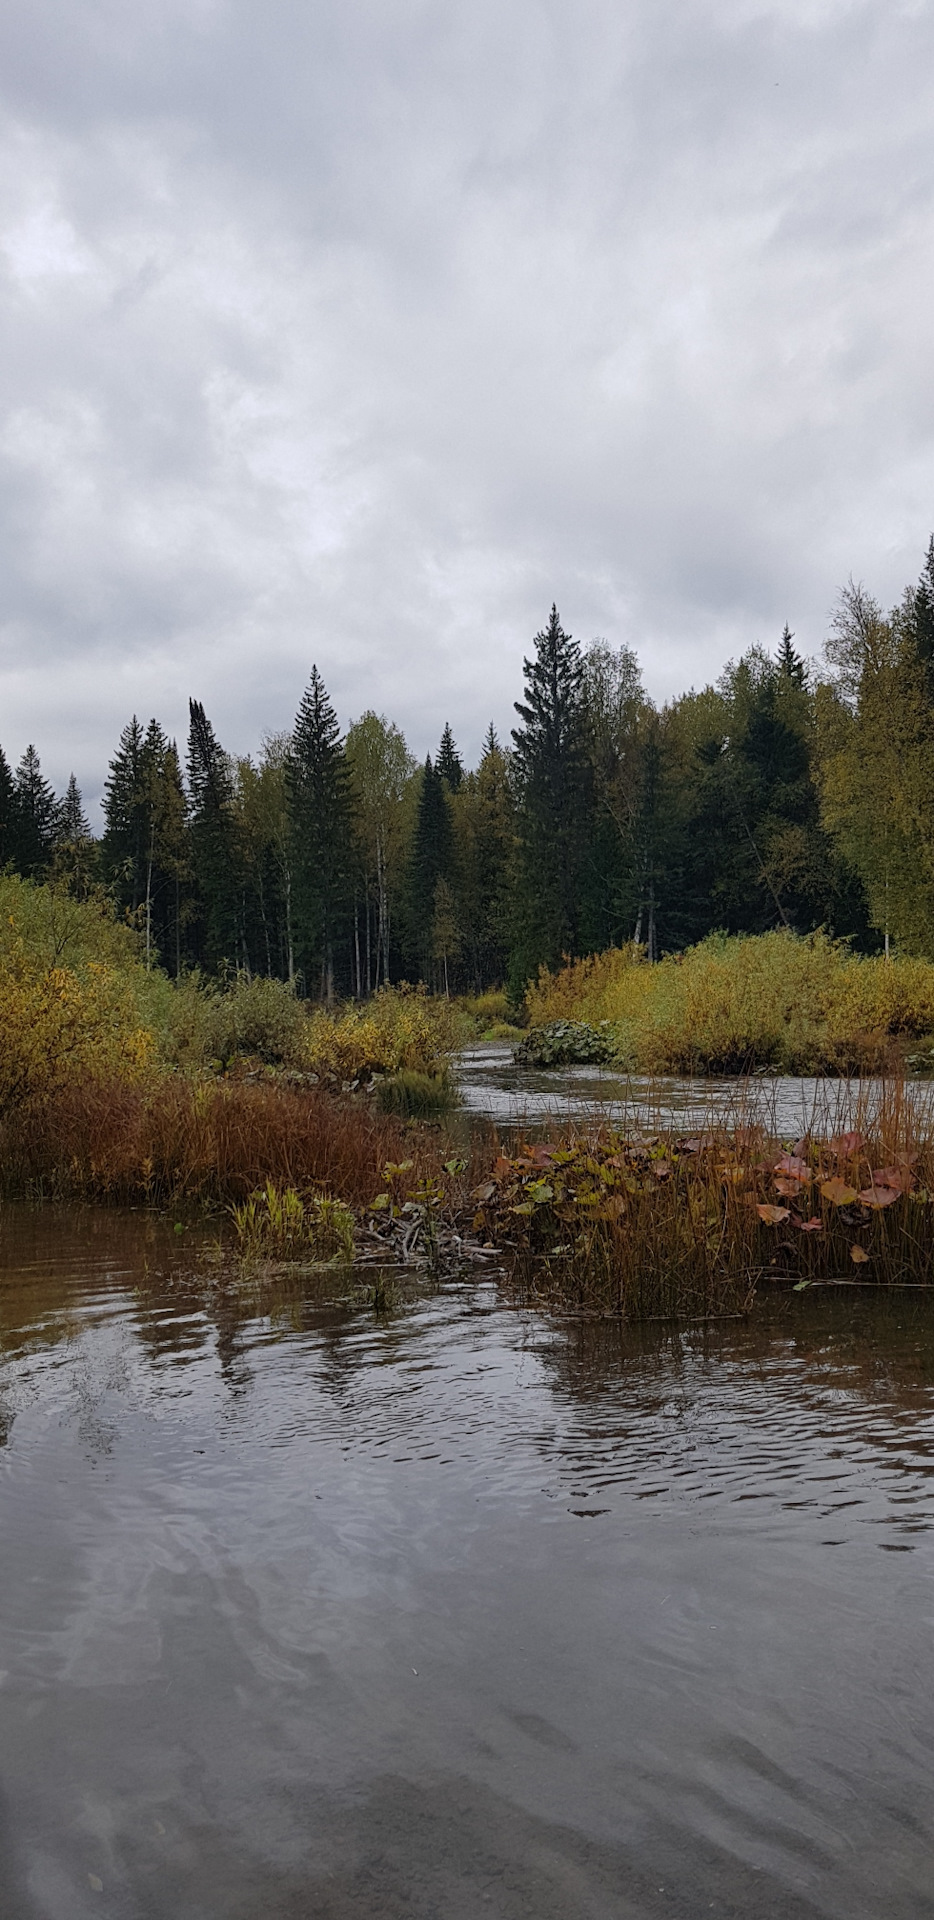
814, 1225
879, 1196
901, 1178
773, 1216
838, 1193
847, 1143
858, 1254
789, 1186
790, 1163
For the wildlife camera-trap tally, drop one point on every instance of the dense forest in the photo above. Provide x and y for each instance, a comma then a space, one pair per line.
784, 795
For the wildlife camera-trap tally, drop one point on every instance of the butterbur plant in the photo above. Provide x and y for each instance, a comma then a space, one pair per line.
676, 1225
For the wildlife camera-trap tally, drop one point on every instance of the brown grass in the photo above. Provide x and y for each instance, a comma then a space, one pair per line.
211, 1142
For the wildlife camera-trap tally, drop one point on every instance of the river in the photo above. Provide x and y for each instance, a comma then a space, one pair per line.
457, 1612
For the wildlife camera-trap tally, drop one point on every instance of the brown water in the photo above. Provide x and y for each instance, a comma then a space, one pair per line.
306, 1613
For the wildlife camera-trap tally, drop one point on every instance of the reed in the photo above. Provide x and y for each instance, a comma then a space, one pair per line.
171, 1139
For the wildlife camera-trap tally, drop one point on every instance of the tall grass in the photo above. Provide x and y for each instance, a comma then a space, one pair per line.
731, 1004
172, 1139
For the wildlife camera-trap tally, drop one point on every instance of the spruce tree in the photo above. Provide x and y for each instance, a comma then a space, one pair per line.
8, 814
213, 841
449, 763
124, 841
75, 862
431, 860
553, 779
74, 825
37, 815
791, 667
318, 779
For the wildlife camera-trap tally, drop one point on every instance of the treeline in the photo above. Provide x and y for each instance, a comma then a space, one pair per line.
781, 796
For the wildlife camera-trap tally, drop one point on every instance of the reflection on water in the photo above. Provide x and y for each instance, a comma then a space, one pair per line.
307, 1613
490, 1083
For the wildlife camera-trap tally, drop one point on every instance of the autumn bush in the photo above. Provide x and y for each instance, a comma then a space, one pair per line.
732, 1004
399, 1029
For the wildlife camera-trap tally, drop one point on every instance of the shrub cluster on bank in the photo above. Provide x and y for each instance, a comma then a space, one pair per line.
733, 1005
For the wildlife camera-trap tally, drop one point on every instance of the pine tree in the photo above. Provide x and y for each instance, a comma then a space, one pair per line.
553, 778
449, 763
321, 817
37, 815
215, 861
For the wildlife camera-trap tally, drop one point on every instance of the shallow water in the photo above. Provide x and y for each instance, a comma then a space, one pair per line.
490, 1083
306, 1613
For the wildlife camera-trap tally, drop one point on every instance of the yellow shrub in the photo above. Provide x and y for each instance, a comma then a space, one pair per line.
801, 1004
58, 1029
400, 1028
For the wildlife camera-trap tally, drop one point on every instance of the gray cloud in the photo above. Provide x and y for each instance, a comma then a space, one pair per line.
358, 334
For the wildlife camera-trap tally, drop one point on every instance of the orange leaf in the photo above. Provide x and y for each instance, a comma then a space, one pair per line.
838, 1193
858, 1255
773, 1216
879, 1196
789, 1187
814, 1225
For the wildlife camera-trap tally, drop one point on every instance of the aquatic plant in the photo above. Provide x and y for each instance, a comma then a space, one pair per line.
567, 1042
283, 1223
675, 1225
415, 1095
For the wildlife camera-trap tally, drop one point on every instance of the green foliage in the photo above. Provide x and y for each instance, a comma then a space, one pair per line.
281, 1223
567, 1042
203, 1025
415, 1095
552, 771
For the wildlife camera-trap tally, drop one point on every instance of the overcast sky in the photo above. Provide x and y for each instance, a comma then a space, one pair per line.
358, 331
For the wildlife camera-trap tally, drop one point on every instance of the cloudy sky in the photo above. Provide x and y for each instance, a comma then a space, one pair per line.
358, 331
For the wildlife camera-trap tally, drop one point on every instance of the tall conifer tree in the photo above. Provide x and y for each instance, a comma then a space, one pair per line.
553, 778
449, 763
430, 861
37, 815
321, 814
8, 814
213, 837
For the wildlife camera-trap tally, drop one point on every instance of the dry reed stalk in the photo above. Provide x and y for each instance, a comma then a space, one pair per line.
205, 1141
